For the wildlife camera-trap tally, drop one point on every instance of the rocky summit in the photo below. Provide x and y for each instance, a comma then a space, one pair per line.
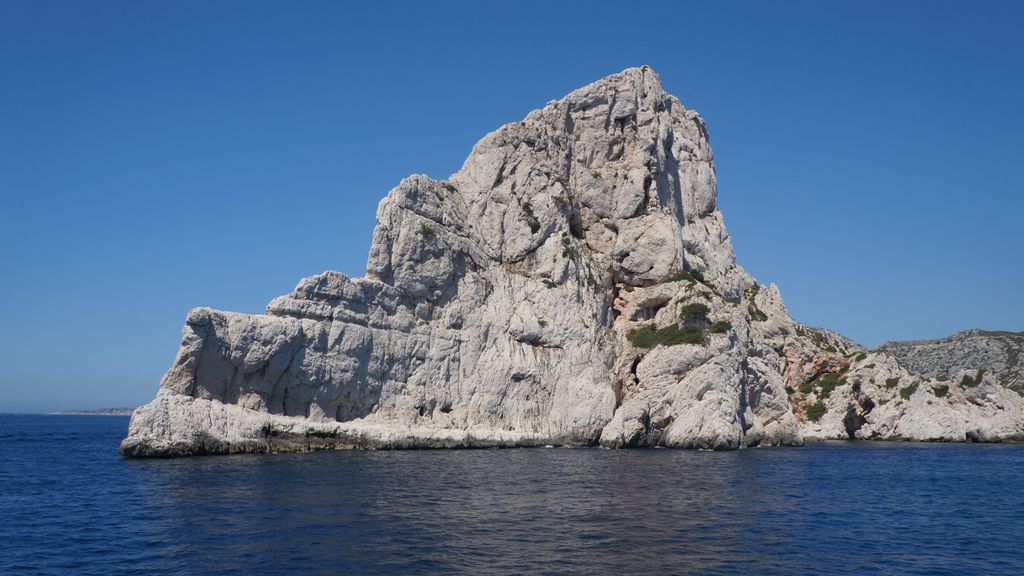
572, 284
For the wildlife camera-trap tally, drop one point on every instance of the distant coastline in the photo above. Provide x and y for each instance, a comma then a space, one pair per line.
97, 412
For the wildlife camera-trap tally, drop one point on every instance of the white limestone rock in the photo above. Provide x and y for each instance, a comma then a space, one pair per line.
572, 283
925, 393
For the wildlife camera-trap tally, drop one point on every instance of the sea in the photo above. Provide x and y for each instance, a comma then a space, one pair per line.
70, 504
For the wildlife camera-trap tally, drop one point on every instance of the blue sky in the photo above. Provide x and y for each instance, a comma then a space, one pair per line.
157, 156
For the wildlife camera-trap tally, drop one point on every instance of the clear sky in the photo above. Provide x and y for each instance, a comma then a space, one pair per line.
157, 156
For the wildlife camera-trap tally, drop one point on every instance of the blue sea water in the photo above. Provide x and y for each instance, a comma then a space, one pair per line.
69, 504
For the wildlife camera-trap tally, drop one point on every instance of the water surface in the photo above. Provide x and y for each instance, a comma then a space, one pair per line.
71, 505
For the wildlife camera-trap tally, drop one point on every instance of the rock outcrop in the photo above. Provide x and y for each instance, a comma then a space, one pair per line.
999, 353
572, 283
966, 387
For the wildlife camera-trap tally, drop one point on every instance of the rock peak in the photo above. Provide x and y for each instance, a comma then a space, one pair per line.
638, 81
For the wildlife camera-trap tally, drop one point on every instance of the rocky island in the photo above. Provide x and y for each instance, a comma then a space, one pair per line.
572, 284
115, 411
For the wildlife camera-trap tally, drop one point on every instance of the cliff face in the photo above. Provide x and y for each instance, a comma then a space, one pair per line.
573, 283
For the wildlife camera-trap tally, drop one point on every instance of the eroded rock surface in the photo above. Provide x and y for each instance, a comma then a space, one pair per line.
966, 387
572, 283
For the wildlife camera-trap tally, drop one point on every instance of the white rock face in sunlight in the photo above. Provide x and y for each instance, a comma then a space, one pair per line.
966, 387
572, 283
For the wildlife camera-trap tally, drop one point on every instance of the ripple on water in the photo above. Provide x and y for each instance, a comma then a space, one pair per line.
72, 505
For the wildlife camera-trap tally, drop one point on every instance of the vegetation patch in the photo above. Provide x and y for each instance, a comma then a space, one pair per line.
817, 338
691, 276
942, 378
720, 327
427, 231
694, 313
568, 250
828, 383
701, 294
756, 314
892, 382
908, 391
968, 382
695, 308
940, 390
527, 209
806, 387
815, 411
649, 336
862, 356
694, 277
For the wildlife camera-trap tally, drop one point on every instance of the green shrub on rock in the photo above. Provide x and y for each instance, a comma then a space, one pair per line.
720, 327
908, 391
815, 411
694, 313
649, 336
755, 313
968, 382
691, 276
828, 383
